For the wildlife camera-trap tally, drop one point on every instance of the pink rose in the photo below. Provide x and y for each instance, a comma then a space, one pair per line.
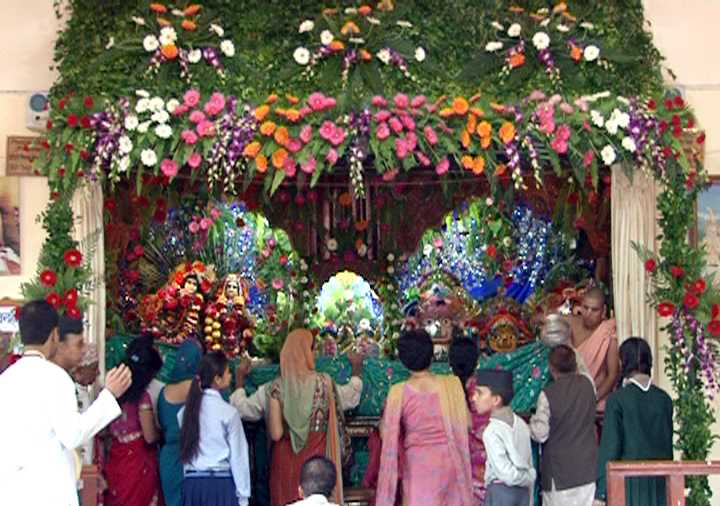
329, 103
194, 160
332, 156
271, 242
381, 116
191, 98
306, 134
194, 227
294, 145
215, 105
215, 213
277, 283
563, 132
316, 101
189, 137
411, 141
588, 158
547, 126
290, 167
418, 101
327, 129
205, 223
265, 253
401, 148
337, 137
197, 117
401, 100
408, 122
566, 108
169, 168
206, 129
382, 132
396, 125
431, 108
442, 166
537, 95
555, 99
424, 160
180, 110
581, 104
309, 166
389, 175
430, 135
379, 101
304, 111
559, 145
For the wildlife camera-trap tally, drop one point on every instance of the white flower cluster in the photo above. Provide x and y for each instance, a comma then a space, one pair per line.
491, 47
541, 41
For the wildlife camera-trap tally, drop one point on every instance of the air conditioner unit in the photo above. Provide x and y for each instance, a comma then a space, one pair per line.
36, 111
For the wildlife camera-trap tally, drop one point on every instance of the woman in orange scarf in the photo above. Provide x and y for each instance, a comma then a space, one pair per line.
304, 419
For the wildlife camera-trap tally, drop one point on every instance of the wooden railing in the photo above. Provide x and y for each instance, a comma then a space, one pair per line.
89, 485
673, 471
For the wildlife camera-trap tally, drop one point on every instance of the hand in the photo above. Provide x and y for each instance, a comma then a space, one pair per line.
242, 371
356, 361
118, 380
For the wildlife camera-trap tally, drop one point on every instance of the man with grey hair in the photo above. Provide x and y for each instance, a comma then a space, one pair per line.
557, 331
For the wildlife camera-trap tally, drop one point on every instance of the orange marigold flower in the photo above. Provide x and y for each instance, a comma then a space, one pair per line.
467, 162
576, 53
163, 22
349, 27
471, 123
517, 60
279, 157
267, 128
330, 11
507, 132
465, 139
188, 25
446, 112
478, 165
477, 112
337, 45
261, 163
280, 111
364, 10
169, 51
475, 98
361, 225
272, 98
365, 55
484, 129
561, 7
292, 99
537, 17
569, 16
158, 7
441, 99
261, 112
251, 150
192, 9
485, 142
497, 107
282, 136
460, 106
293, 115
500, 169
516, 9
345, 199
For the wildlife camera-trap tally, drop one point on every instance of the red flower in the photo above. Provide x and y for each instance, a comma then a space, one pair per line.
679, 101
491, 251
85, 122
85, 155
73, 258
72, 120
698, 287
573, 198
677, 132
677, 272
650, 265
88, 102
715, 311
205, 286
49, 125
71, 297
668, 104
53, 299
691, 301
110, 205
663, 126
48, 278
160, 203
74, 313
665, 309
138, 250
714, 328
690, 123
160, 215
68, 147
133, 276
61, 104
179, 278
675, 120
651, 104
700, 138
18, 311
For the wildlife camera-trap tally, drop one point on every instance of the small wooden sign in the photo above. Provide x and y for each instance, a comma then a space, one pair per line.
21, 153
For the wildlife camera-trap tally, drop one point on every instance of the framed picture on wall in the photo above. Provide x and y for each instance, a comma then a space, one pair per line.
708, 224
10, 264
22, 151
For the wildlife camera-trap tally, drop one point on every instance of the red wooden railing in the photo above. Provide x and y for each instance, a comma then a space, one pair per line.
89, 485
673, 471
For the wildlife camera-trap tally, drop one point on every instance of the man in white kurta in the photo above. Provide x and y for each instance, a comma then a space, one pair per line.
40, 421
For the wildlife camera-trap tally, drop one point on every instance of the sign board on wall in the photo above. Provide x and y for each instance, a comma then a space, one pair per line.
21, 153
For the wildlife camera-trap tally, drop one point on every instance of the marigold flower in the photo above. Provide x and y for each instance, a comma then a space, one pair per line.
279, 157
329, 11
192, 9
292, 99
261, 112
345, 199
272, 98
361, 225
337, 45
516, 9
188, 25
465, 139
576, 53
517, 60
471, 123
169, 51
349, 27
163, 22
158, 7
561, 7
485, 142
267, 128
460, 106
364, 10
292, 115
484, 129
446, 112
282, 136
477, 112
251, 150
507, 132
261, 163
467, 162
569, 16
478, 165
500, 169
365, 55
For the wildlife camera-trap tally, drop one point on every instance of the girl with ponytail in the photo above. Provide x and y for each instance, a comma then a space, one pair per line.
213, 448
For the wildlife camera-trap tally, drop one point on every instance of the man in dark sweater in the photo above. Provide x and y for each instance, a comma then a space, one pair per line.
564, 422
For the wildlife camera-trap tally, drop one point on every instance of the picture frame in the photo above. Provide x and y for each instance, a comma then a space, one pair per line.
10, 243
707, 224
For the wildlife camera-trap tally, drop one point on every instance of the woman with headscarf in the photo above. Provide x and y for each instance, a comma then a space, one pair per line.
170, 401
304, 419
425, 434
131, 470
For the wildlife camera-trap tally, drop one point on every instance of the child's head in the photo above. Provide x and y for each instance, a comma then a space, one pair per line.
562, 361
463, 357
493, 390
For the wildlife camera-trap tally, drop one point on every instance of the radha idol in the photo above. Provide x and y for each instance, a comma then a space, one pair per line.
228, 324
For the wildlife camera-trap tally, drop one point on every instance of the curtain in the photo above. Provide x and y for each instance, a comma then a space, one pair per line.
634, 219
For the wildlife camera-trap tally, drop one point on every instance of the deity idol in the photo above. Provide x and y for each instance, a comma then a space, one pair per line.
505, 326
228, 324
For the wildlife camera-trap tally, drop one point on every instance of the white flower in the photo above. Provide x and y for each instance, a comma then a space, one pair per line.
608, 154
194, 55
228, 48
383, 55
491, 47
622, 118
514, 30
507, 242
125, 145
629, 144
562, 28
390, 257
326, 37
110, 43
420, 54
142, 93
157, 104
168, 35
217, 29
611, 126
404, 24
541, 40
591, 53
597, 118
142, 105
427, 250
362, 250
543, 11
391, 270
150, 43
301, 56
163, 131
303, 280
124, 164
587, 25
171, 105
331, 245
364, 324
138, 21
356, 40
143, 127
131, 122
306, 26
372, 20
545, 22
489, 201
497, 25
160, 117
303, 265
351, 10
148, 157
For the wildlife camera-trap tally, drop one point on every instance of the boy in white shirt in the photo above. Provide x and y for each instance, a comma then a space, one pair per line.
509, 471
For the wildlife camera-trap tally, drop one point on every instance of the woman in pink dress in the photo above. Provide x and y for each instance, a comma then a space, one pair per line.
131, 469
427, 417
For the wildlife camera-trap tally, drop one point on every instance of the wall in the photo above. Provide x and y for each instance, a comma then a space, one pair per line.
27, 39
